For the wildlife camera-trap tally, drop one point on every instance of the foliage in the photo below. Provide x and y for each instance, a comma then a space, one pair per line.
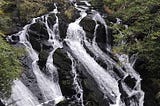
142, 36
14, 14
29, 9
10, 67
17, 13
69, 13
143, 32
5, 19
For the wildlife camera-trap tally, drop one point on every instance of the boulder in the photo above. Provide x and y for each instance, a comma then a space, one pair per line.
1, 104
89, 26
64, 67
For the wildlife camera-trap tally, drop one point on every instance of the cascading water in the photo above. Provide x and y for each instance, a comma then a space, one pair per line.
21, 95
110, 77
76, 83
74, 39
49, 88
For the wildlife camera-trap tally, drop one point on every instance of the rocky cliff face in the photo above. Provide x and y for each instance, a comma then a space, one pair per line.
38, 37
65, 60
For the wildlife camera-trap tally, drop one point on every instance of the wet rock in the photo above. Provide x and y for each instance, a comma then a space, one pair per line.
1, 104
14, 39
89, 26
51, 20
62, 104
64, 20
29, 79
39, 31
101, 37
63, 26
130, 81
36, 43
43, 55
101, 34
92, 95
63, 64
38, 35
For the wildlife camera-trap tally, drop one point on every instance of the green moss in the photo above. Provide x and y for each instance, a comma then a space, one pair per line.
10, 67
143, 33
142, 36
29, 10
69, 12
17, 13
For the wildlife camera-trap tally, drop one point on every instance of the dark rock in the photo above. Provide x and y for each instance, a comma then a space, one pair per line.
64, 103
101, 34
38, 36
51, 20
89, 26
63, 64
43, 55
92, 95
15, 39
39, 31
36, 43
130, 81
110, 37
29, 79
1, 104
140, 67
101, 37
63, 26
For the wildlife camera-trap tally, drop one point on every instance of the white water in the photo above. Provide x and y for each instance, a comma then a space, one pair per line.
76, 83
54, 41
128, 65
107, 82
50, 89
74, 39
106, 79
124, 59
21, 95
98, 18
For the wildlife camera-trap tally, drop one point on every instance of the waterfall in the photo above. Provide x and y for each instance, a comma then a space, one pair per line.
21, 95
76, 83
111, 73
74, 39
49, 86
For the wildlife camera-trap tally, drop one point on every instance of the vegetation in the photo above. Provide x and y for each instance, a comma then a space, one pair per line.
142, 35
10, 67
17, 13
14, 14
143, 32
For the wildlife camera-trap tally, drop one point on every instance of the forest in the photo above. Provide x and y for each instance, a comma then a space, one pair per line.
138, 28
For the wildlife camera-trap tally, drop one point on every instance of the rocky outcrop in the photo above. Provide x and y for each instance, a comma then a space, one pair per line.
1, 104
89, 27
64, 67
